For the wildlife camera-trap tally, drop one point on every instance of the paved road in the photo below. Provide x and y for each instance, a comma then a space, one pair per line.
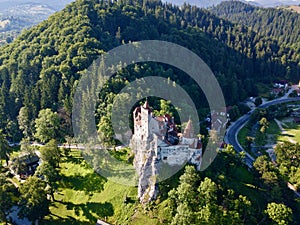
233, 130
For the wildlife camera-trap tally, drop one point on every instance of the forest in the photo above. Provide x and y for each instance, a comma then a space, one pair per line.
280, 24
39, 70
39, 73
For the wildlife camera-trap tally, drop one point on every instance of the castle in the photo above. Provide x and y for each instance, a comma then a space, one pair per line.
159, 148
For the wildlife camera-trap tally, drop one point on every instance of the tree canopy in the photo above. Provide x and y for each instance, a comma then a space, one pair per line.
40, 69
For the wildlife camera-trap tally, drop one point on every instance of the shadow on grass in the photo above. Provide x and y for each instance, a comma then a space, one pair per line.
123, 155
91, 208
288, 135
75, 158
91, 211
65, 221
91, 182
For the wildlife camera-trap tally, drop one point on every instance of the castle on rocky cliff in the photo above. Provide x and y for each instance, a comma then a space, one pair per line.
159, 147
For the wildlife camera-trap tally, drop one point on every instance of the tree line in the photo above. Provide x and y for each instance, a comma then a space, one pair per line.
40, 68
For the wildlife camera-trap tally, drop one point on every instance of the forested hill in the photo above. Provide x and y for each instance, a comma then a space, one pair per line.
39, 69
280, 24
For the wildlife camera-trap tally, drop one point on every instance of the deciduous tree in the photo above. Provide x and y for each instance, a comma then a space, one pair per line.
51, 153
47, 125
279, 213
33, 201
7, 197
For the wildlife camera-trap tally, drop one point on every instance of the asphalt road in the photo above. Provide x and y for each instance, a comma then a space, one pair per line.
233, 130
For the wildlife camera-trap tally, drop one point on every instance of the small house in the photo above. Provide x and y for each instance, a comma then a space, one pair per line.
24, 165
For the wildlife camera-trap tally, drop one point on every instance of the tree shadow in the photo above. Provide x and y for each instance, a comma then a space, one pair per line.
65, 221
287, 135
73, 159
91, 182
92, 211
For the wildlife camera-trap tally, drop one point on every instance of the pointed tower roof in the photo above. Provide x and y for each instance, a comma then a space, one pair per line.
189, 130
146, 106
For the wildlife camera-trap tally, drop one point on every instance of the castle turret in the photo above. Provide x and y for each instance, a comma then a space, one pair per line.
189, 130
144, 146
145, 119
146, 105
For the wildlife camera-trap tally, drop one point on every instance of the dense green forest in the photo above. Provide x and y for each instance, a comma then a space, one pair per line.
39, 70
280, 24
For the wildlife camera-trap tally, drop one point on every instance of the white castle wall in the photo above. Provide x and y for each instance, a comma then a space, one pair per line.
150, 150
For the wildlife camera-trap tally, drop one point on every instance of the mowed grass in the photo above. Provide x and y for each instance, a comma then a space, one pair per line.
273, 128
291, 134
263, 90
243, 182
83, 196
273, 132
242, 136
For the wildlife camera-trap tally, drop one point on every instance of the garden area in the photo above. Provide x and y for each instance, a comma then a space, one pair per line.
83, 196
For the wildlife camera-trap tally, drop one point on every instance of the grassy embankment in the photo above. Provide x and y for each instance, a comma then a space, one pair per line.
291, 133
272, 133
84, 196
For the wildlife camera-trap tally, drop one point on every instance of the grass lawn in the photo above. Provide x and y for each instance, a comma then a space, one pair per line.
263, 90
124, 155
291, 134
242, 135
84, 196
273, 128
243, 181
273, 131
242, 138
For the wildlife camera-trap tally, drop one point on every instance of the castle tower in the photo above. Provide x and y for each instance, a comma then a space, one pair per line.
189, 130
145, 119
144, 146
155, 147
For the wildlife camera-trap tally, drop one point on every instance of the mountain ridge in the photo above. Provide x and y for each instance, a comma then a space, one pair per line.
260, 3
18, 15
56, 5
280, 24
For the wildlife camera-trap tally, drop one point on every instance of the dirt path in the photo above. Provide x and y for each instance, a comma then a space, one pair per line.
283, 131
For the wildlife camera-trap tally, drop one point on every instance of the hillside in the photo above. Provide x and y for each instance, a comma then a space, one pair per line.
18, 15
260, 3
38, 70
293, 8
273, 3
24, 15
56, 5
279, 24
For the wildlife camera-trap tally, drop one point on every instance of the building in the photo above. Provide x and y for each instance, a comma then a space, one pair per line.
277, 92
157, 143
101, 222
24, 165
